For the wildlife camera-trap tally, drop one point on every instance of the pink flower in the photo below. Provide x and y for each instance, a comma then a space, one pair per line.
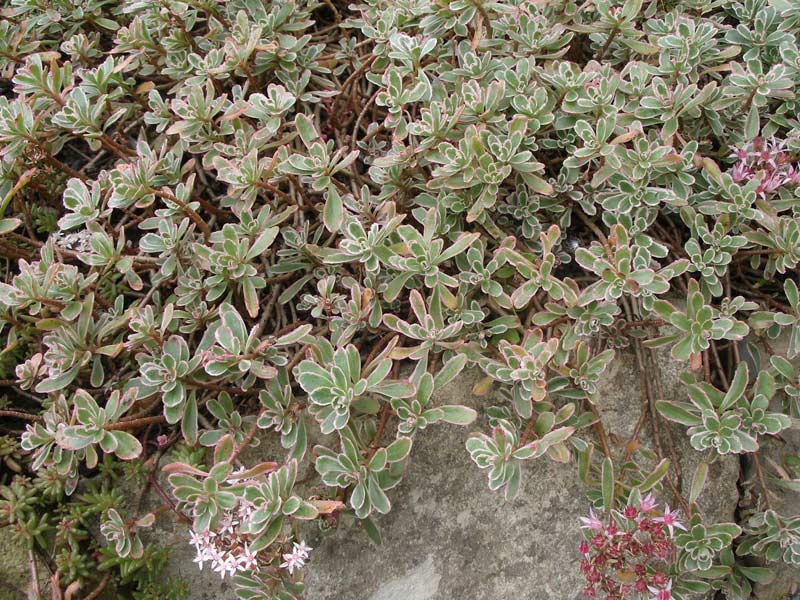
778, 149
200, 539
230, 565
644, 552
247, 561
670, 520
211, 554
292, 562
245, 510
224, 564
766, 161
766, 157
662, 594
647, 503
303, 549
591, 522
204, 544
228, 524
740, 172
296, 559
739, 153
788, 175
770, 183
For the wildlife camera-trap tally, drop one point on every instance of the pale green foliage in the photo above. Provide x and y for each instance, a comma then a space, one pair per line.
225, 222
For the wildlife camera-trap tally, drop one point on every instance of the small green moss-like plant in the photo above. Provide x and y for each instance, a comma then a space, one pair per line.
222, 223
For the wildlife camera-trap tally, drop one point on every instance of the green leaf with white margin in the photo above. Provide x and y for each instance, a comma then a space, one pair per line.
458, 415
377, 497
378, 461
450, 370
394, 389
757, 574
223, 449
538, 184
607, 484
657, 475
128, 447
557, 435
398, 450
8, 225
306, 130
676, 412
189, 420
752, 125
294, 336
333, 213
56, 382
262, 242
266, 538
250, 297
737, 388
462, 243
698, 481
306, 511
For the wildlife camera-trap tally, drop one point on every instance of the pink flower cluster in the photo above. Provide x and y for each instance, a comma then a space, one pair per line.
765, 160
296, 559
627, 554
228, 549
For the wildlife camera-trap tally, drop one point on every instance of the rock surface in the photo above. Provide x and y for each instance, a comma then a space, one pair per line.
15, 575
449, 536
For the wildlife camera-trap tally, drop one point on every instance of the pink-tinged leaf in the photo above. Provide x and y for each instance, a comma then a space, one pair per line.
224, 449
327, 507
260, 469
181, 467
250, 297
128, 447
9, 225
146, 521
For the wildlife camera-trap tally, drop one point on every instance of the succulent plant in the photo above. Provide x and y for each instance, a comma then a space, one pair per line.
226, 223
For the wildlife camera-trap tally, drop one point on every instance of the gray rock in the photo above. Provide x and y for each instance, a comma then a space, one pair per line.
448, 536
15, 574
